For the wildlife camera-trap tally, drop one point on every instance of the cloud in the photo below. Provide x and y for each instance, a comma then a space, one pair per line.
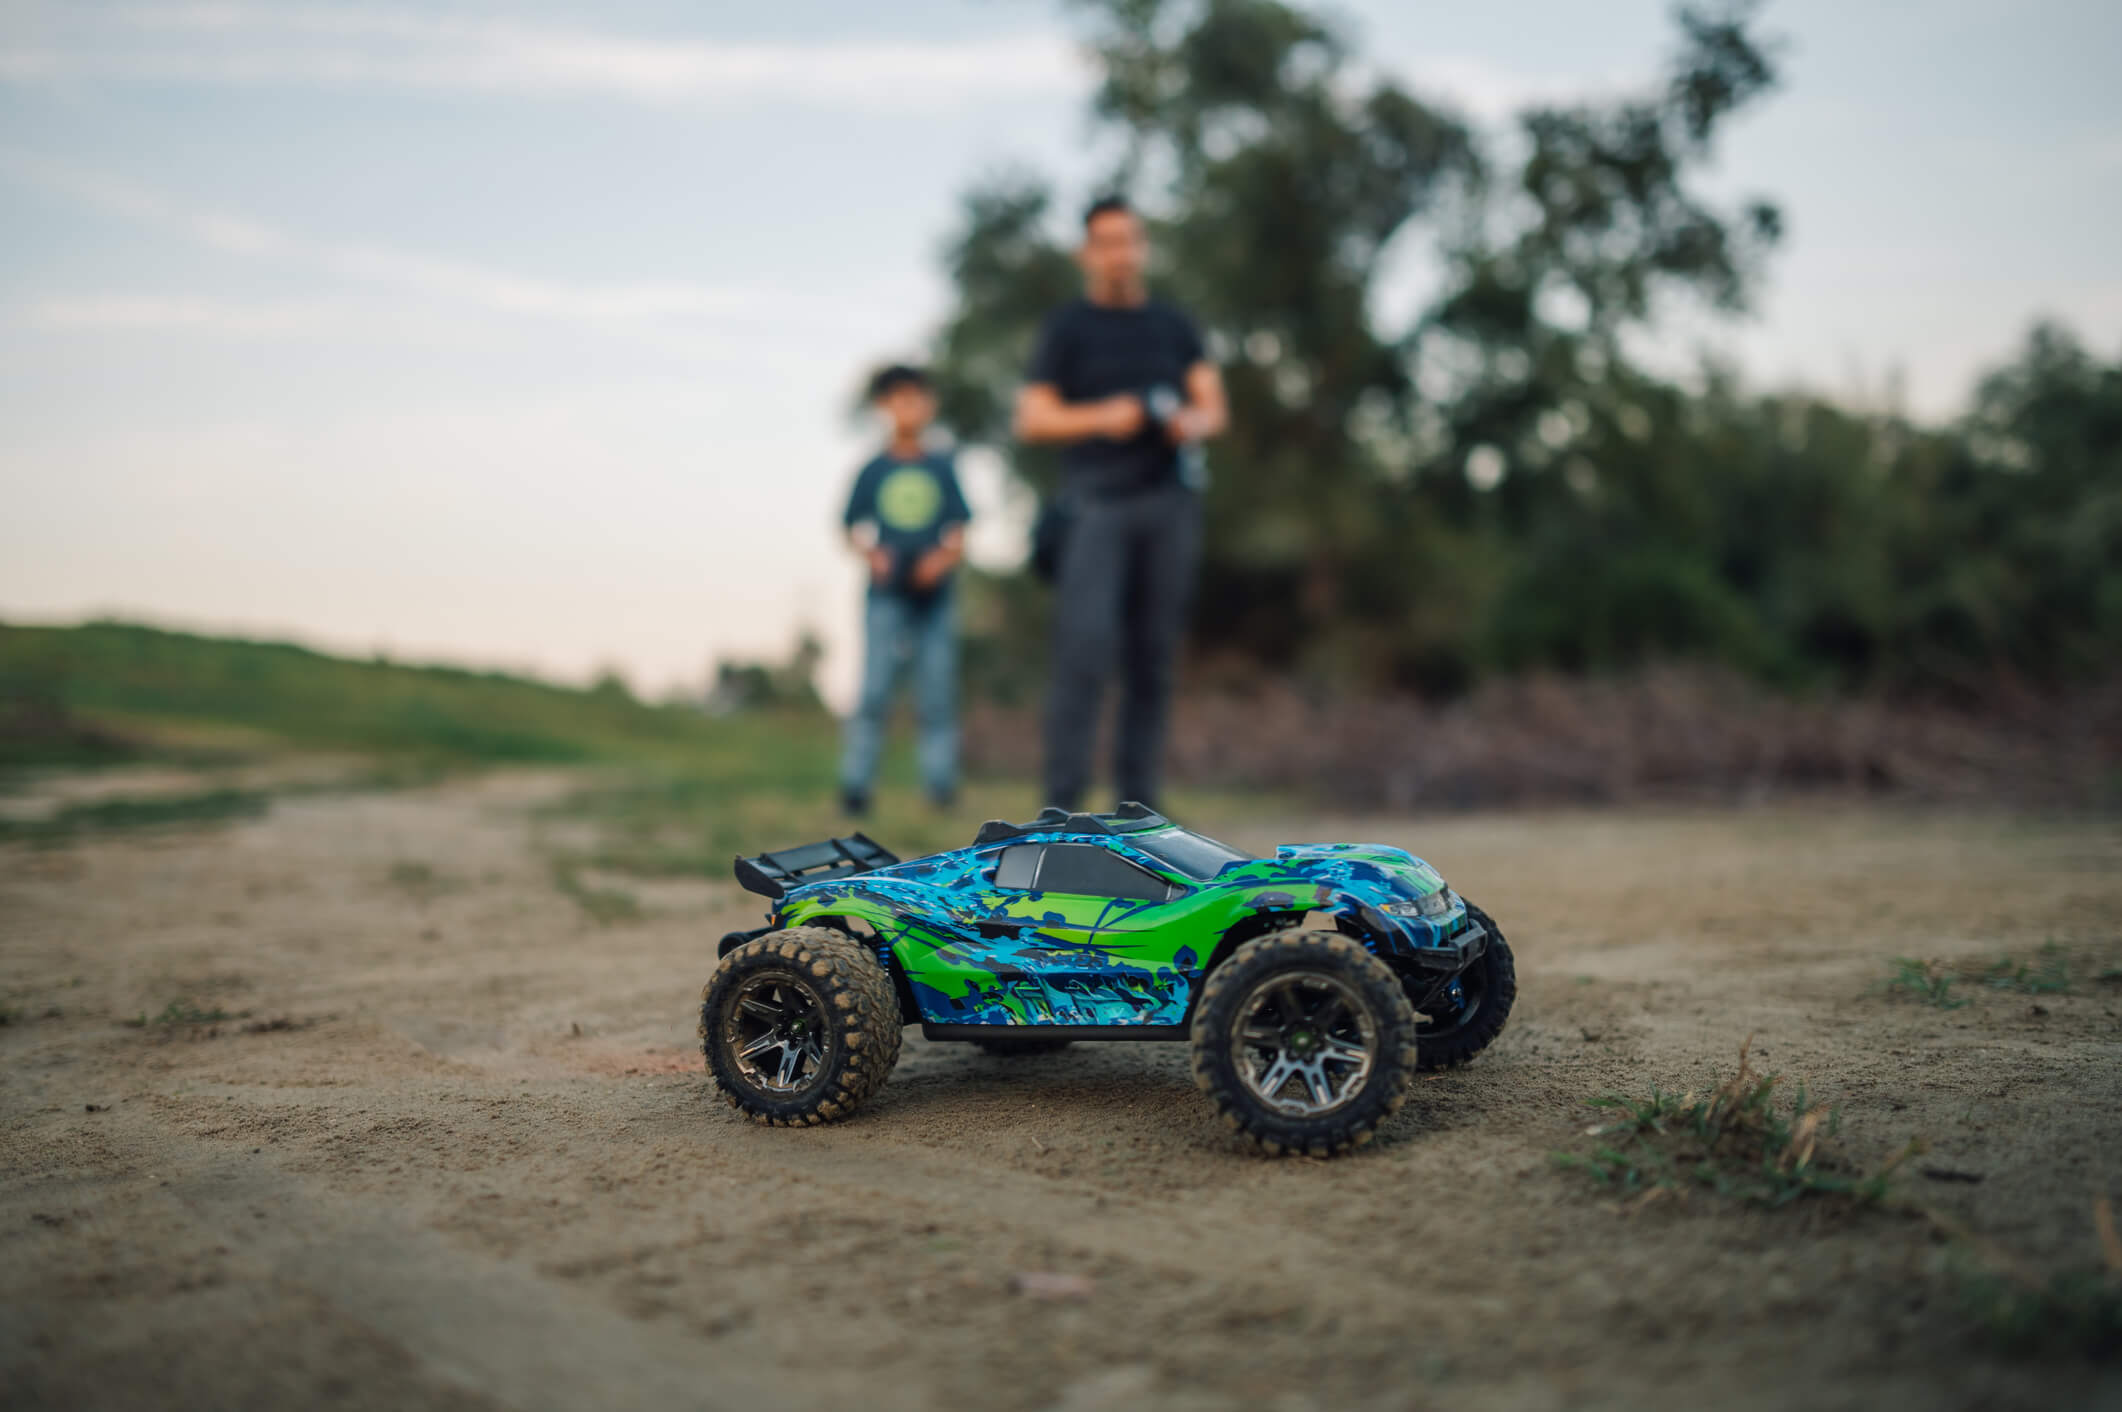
401, 271
187, 314
332, 45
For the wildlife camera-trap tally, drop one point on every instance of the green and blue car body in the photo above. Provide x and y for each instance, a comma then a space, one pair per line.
1104, 925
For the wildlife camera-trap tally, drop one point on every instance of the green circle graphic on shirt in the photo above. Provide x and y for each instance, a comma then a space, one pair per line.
909, 498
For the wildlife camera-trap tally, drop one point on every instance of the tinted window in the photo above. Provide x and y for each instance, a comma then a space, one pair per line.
1193, 854
1096, 872
1018, 865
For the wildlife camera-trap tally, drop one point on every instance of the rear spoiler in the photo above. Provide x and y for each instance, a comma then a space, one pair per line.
773, 874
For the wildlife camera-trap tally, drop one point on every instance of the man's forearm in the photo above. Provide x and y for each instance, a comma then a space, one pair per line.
1207, 407
1060, 421
1042, 416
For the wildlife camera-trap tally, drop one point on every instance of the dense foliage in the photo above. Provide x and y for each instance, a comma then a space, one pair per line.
1491, 482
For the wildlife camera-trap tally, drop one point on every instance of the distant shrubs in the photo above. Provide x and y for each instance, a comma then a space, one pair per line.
1681, 733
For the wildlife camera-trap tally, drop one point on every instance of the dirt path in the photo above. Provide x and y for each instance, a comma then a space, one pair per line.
478, 1165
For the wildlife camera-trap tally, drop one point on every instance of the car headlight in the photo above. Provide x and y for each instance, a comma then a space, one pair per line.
1436, 904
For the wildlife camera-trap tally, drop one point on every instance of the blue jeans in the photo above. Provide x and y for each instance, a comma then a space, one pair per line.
896, 628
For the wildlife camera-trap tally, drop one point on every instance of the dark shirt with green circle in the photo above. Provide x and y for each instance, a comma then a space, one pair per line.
911, 502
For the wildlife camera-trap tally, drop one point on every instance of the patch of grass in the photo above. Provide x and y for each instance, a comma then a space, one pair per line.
2049, 974
413, 877
604, 905
1737, 1140
1925, 981
37, 731
182, 1012
2075, 1312
126, 813
421, 881
67, 684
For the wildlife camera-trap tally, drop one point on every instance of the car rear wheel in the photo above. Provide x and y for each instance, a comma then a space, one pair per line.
1305, 1042
799, 1026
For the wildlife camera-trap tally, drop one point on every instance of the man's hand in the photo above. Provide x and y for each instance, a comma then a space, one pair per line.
1043, 416
1120, 416
880, 564
1189, 424
1207, 411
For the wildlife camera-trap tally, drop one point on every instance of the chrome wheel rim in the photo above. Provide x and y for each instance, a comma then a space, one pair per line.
1304, 1043
775, 1031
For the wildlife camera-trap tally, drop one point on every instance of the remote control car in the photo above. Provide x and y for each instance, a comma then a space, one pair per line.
1311, 985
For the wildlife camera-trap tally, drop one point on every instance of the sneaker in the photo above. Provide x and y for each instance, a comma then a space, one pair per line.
943, 798
854, 803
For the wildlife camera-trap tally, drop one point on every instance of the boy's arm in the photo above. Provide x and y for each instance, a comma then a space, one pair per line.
860, 520
862, 538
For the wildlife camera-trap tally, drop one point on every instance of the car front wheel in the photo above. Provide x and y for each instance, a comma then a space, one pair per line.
1463, 1017
1305, 1042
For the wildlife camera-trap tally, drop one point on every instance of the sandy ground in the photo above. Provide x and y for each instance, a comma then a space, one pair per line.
479, 1165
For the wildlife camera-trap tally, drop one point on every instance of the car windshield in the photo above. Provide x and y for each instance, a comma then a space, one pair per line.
1193, 854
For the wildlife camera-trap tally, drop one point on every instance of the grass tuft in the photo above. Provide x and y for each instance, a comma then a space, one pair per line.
1739, 1140
2075, 1312
603, 905
2049, 974
1923, 980
181, 1012
126, 814
421, 881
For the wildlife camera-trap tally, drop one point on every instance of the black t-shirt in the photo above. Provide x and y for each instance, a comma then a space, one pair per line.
909, 502
1088, 351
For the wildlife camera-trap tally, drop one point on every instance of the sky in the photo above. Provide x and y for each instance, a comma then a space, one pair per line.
526, 335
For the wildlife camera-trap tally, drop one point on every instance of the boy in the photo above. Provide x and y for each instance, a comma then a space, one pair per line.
906, 517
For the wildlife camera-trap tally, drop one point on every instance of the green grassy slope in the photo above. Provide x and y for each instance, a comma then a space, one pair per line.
669, 793
70, 693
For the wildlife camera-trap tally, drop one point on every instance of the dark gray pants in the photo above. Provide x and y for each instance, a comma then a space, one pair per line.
1125, 582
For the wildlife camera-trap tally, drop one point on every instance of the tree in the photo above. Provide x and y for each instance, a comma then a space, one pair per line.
1491, 483
1284, 186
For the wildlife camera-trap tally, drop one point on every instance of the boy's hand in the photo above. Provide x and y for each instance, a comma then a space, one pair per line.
880, 564
930, 568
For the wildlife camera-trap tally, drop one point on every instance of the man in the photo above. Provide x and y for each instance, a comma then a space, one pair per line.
906, 517
1121, 382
